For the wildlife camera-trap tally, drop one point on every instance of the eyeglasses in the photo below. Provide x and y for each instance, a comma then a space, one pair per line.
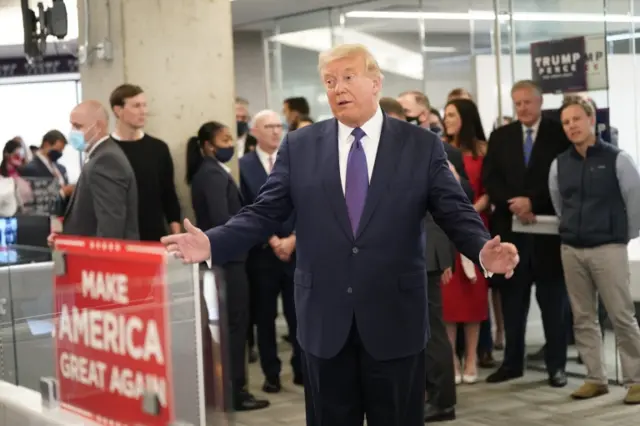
273, 126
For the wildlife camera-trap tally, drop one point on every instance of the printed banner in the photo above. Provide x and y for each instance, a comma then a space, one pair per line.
596, 65
559, 66
113, 356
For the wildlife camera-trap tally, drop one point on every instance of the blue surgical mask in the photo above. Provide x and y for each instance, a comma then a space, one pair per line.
76, 140
223, 155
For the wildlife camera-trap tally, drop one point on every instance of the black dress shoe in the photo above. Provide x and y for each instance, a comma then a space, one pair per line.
247, 402
298, 380
272, 385
486, 360
558, 379
437, 414
503, 375
253, 356
538, 356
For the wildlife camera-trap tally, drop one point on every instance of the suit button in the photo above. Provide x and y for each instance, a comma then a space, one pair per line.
349, 290
354, 250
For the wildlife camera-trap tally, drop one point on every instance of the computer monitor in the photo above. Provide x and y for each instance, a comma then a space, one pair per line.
33, 231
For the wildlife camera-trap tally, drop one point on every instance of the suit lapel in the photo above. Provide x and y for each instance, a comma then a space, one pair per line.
538, 143
73, 196
389, 149
258, 173
329, 159
97, 149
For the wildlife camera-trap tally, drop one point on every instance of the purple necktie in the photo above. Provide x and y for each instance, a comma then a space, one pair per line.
357, 181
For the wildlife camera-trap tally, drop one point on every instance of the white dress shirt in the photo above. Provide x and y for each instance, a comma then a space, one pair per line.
267, 160
224, 166
240, 144
53, 168
370, 143
534, 133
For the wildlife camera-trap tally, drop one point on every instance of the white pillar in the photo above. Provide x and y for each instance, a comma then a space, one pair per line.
179, 51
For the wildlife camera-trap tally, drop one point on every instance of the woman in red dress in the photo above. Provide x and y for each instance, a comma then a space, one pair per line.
465, 295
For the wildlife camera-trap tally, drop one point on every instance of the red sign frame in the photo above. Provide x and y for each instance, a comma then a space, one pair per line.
112, 333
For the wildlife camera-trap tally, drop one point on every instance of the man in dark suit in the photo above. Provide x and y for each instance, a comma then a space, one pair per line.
515, 175
440, 255
44, 166
360, 185
271, 263
105, 200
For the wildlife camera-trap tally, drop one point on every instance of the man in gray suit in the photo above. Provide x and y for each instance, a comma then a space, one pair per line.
105, 200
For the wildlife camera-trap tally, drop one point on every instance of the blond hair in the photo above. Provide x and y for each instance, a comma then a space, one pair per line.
570, 100
350, 51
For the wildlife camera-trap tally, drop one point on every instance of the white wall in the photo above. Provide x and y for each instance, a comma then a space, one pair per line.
621, 98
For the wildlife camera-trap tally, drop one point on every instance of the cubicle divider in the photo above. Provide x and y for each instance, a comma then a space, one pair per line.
112, 332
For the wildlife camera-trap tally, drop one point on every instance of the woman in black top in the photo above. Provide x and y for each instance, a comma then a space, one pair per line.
216, 198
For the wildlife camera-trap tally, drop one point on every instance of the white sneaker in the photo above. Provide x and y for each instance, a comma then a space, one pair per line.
458, 379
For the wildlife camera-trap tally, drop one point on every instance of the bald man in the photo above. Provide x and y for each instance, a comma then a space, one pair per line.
270, 265
105, 200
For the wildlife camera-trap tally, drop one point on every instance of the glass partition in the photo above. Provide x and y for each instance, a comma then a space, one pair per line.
294, 44
116, 323
392, 33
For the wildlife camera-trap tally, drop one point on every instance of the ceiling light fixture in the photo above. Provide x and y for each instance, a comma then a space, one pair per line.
481, 15
623, 36
391, 57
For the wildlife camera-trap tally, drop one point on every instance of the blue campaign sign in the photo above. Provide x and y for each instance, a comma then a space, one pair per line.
559, 66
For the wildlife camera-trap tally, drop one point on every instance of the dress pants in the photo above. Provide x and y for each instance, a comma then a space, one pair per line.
271, 278
516, 298
345, 389
441, 388
237, 300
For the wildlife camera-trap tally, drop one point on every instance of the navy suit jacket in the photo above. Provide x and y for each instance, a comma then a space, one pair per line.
252, 177
378, 276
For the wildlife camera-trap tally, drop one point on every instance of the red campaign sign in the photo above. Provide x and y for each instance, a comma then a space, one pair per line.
112, 333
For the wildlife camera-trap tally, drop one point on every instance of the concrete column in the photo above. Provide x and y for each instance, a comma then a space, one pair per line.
179, 52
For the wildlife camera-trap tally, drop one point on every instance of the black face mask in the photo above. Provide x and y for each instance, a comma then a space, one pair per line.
54, 155
242, 127
436, 129
224, 155
414, 120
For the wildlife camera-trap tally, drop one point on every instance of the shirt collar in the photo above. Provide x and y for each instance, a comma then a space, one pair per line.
263, 156
95, 145
225, 167
534, 127
372, 128
115, 136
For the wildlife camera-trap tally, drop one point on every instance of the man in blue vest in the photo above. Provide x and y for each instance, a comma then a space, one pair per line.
595, 189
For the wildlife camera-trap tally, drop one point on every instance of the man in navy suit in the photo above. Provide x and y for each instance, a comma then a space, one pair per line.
271, 263
360, 185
